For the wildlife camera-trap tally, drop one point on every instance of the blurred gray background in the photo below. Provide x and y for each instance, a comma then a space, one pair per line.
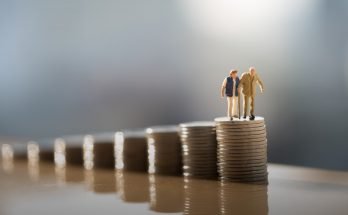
80, 66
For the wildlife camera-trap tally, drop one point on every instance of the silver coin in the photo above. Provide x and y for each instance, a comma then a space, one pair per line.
245, 174
240, 136
244, 140
240, 144
221, 127
243, 148
241, 158
259, 180
241, 151
242, 168
251, 176
241, 132
242, 128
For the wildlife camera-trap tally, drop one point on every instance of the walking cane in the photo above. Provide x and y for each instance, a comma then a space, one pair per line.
238, 106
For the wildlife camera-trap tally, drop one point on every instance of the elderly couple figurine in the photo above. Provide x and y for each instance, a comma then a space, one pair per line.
232, 87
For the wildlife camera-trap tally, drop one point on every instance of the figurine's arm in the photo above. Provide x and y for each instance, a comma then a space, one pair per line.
259, 81
223, 86
240, 85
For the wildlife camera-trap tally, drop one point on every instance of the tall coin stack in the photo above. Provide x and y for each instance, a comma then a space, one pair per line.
199, 149
164, 150
242, 150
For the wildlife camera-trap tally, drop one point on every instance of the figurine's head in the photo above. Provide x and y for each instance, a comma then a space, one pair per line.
233, 73
252, 71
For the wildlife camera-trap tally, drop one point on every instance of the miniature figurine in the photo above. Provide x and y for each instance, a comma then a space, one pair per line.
248, 84
230, 88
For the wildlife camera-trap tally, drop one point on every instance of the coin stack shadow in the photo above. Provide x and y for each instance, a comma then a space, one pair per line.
237, 198
199, 149
98, 151
242, 150
132, 186
166, 193
201, 196
69, 174
164, 150
131, 150
100, 180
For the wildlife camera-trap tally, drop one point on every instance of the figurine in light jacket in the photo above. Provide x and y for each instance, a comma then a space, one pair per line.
230, 89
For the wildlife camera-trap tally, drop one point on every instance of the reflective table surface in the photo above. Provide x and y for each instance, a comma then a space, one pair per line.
44, 189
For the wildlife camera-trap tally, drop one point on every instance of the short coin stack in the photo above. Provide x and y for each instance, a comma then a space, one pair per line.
199, 149
164, 150
13, 151
40, 151
131, 150
68, 151
242, 150
98, 151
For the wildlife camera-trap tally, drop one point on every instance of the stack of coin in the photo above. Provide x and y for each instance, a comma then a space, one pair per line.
131, 150
10, 153
237, 198
242, 150
38, 152
164, 150
42, 150
13, 150
199, 149
98, 151
68, 151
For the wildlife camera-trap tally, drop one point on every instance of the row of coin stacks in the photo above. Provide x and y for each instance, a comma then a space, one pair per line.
231, 150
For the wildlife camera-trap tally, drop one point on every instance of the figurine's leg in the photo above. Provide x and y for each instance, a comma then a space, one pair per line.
252, 107
229, 106
235, 106
245, 106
